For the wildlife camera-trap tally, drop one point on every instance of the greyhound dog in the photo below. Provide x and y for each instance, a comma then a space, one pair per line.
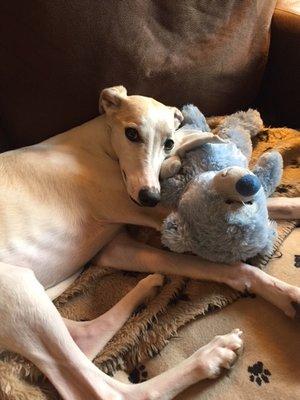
65, 201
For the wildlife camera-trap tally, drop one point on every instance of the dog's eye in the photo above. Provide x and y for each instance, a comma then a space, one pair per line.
169, 144
132, 135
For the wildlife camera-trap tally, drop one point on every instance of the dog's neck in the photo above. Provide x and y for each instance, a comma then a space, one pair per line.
94, 136
106, 140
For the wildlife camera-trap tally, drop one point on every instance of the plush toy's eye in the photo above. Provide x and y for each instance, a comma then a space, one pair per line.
132, 135
169, 144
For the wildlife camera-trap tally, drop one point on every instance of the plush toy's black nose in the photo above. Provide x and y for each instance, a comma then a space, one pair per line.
149, 197
248, 185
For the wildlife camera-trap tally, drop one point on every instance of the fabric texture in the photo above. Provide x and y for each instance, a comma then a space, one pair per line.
279, 98
57, 55
268, 367
180, 301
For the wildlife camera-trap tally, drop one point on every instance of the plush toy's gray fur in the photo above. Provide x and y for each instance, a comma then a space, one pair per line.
206, 222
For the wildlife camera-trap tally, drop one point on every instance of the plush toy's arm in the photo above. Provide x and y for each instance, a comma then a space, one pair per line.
170, 167
269, 171
239, 128
172, 189
189, 141
175, 234
249, 120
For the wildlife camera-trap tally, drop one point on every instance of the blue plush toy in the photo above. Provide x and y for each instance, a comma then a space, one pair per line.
220, 211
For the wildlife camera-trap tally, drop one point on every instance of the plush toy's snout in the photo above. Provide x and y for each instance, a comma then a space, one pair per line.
236, 183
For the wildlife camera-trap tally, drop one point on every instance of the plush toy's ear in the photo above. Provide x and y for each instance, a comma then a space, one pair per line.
175, 234
269, 170
194, 117
110, 98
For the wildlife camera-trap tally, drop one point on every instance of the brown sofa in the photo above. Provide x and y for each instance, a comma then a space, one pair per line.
56, 55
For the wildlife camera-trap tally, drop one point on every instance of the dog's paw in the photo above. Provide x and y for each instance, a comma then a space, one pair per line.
152, 281
150, 285
286, 297
220, 353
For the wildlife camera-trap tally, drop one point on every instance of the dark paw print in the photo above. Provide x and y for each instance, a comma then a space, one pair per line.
138, 374
283, 188
297, 261
258, 373
180, 296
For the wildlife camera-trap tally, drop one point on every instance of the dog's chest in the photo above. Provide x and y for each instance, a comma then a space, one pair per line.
52, 246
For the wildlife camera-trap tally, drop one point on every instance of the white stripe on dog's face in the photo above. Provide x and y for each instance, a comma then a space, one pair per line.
142, 134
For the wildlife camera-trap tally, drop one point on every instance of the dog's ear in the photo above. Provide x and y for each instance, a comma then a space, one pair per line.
111, 98
178, 117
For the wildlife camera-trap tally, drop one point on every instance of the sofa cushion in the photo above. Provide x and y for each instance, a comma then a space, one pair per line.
279, 99
56, 55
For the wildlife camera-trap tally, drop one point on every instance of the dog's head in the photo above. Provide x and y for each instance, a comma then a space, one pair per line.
142, 135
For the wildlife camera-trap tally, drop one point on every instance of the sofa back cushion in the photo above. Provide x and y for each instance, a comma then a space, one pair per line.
56, 55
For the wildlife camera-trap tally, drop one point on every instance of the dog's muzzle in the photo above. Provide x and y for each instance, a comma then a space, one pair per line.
149, 197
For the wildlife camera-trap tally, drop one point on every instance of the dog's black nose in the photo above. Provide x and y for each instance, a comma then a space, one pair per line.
149, 197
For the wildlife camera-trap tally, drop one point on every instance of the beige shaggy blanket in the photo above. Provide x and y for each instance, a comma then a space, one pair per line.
268, 368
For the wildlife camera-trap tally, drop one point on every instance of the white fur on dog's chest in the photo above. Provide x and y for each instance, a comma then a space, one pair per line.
56, 251
49, 223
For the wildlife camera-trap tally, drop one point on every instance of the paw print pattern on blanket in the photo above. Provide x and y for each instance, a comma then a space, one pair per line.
138, 374
284, 188
258, 373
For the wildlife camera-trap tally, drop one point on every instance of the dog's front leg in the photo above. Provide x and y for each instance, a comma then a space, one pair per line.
205, 363
127, 254
92, 336
284, 207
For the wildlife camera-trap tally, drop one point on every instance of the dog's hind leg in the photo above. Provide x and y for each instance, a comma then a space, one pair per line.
92, 336
32, 327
